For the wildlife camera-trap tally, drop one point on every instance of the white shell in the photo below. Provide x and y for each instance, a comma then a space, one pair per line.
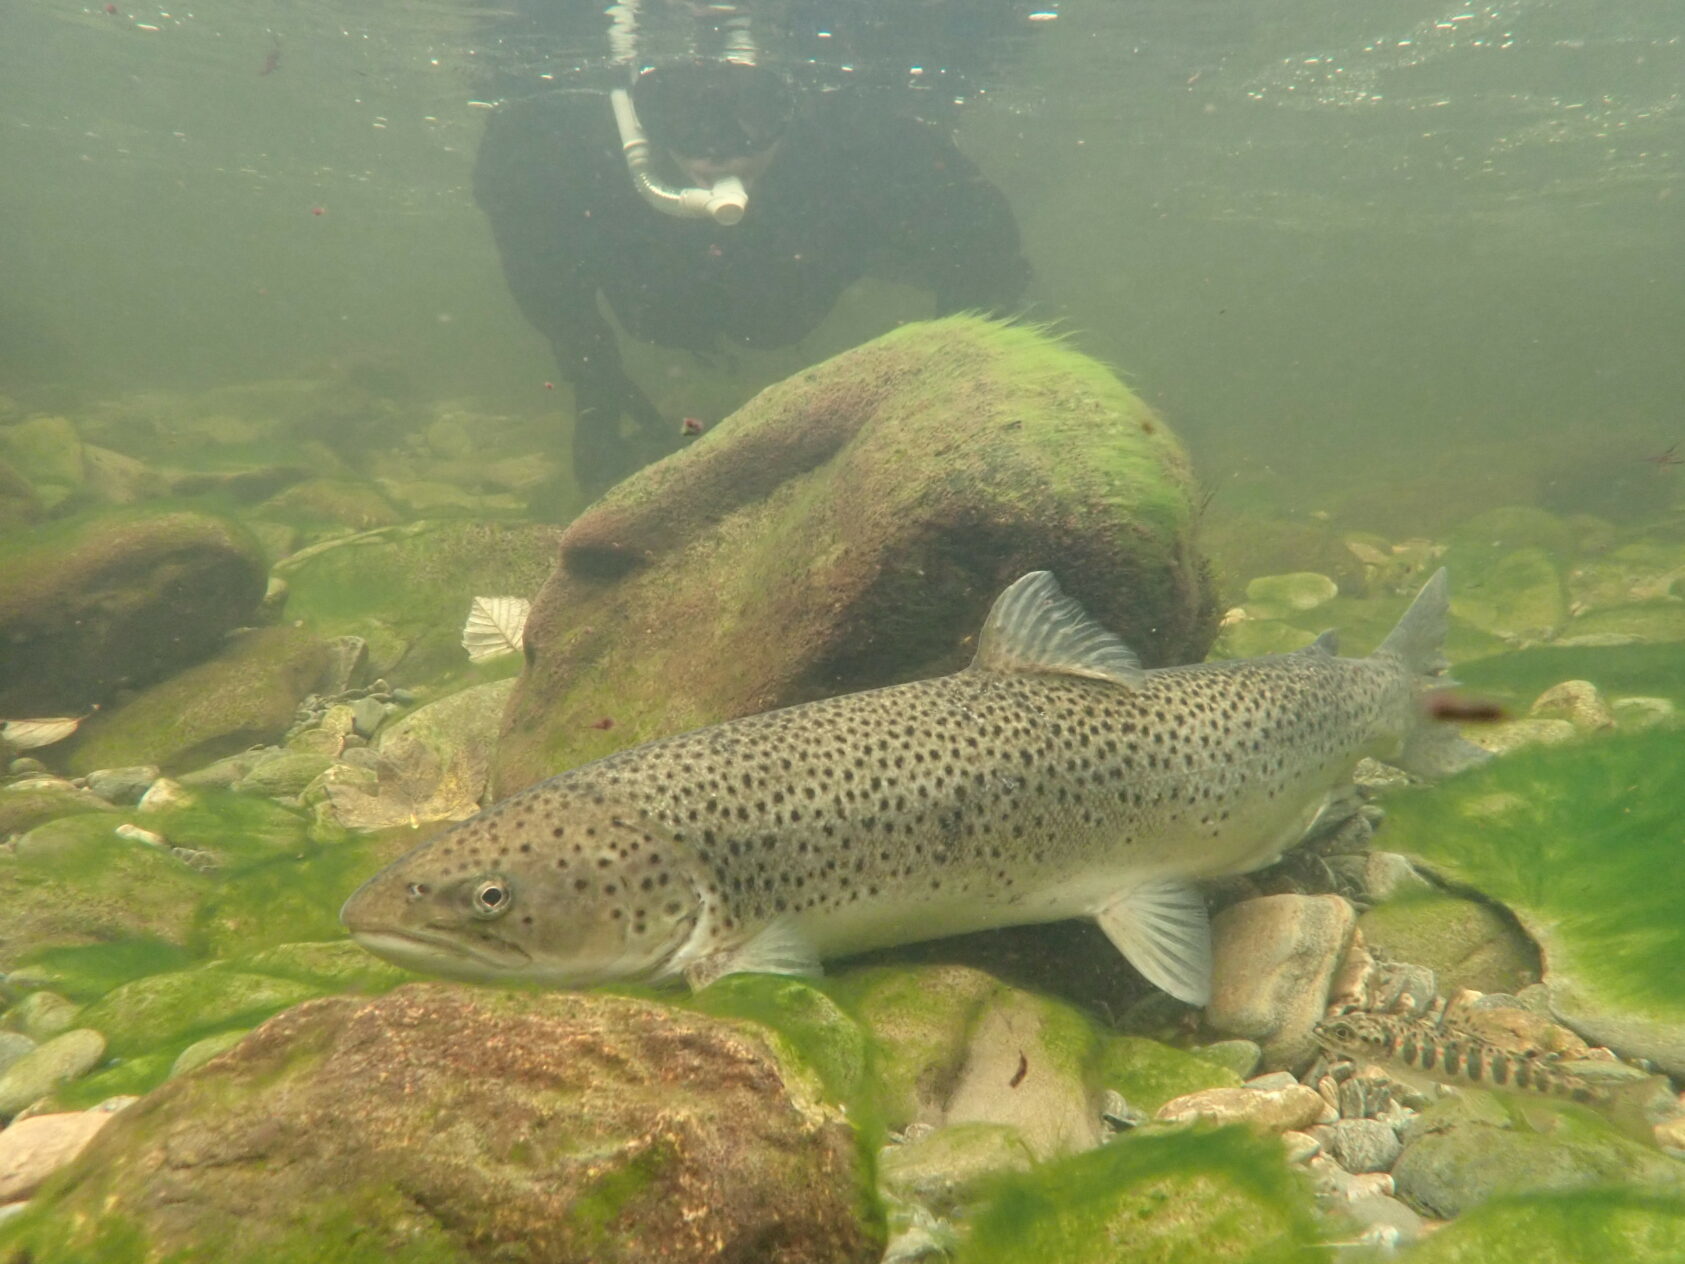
28, 734
494, 627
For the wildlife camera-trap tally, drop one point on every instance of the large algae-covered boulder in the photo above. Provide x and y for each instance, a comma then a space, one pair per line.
1581, 843
117, 602
452, 1123
848, 528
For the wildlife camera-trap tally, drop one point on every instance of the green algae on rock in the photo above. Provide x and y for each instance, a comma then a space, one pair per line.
118, 600
849, 528
1472, 1147
245, 695
454, 1123
1466, 943
1569, 1227
406, 589
1164, 1197
1581, 843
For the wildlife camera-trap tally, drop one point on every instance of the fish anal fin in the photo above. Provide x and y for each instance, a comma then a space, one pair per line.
777, 948
1163, 929
1034, 627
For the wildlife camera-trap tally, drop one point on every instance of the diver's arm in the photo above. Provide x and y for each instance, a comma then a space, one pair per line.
944, 226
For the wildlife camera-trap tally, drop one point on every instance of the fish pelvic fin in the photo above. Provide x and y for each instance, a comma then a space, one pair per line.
1432, 748
779, 947
1163, 930
1035, 627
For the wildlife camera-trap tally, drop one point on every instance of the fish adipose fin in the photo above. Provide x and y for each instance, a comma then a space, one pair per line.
1163, 929
1432, 748
777, 948
1035, 627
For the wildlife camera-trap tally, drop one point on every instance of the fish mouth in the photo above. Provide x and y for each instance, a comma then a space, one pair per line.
437, 953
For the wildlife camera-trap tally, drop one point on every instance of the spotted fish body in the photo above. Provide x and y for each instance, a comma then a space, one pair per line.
1053, 778
1445, 1055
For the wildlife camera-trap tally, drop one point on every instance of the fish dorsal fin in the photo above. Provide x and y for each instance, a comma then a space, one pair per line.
1328, 643
1034, 627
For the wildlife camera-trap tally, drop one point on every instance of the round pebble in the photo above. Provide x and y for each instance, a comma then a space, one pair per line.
38, 1073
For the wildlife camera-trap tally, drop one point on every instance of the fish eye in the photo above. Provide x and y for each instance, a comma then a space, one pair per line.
492, 897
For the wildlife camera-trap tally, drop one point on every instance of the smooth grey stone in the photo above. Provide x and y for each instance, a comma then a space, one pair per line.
367, 715
122, 785
1361, 1145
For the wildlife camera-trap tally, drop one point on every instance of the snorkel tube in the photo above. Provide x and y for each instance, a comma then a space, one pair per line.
725, 203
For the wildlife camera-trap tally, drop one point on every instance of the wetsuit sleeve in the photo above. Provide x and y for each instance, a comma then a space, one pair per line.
938, 221
539, 181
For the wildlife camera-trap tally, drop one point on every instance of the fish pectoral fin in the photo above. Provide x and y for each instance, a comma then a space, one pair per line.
1035, 627
777, 948
1163, 929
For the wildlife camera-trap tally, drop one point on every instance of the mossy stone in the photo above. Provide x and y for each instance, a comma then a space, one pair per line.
950, 1167
1648, 621
45, 450
1578, 841
288, 899
1253, 638
1633, 1226
118, 600
202, 1051
245, 696
336, 965
919, 1020
26, 804
42, 1015
283, 774
812, 1030
97, 888
1464, 942
1505, 528
175, 1008
1151, 1198
1271, 596
406, 590
458, 1123
1464, 1150
1517, 594
1149, 1074
322, 502
850, 527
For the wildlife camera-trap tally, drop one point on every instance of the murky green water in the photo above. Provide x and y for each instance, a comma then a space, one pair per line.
1402, 280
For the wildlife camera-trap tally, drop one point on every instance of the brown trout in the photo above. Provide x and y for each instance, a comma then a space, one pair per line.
1052, 778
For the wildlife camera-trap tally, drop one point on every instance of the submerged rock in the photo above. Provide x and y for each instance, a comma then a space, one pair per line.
472, 1124
906, 483
44, 1068
1273, 961
119, 602
33, 1149
1633, 1226
1464, 942
1474, 1146
244, 696
1151, 1198
1581, 845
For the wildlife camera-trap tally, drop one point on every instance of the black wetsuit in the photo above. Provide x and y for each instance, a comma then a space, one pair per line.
854, 189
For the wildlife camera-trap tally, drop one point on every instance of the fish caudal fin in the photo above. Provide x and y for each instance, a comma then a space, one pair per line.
1432, 747
1164, 931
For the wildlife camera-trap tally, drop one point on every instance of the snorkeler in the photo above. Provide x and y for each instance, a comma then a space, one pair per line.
788, 203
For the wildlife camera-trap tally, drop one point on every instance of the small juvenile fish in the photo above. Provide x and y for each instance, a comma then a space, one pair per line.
1445, 1055
1414, 1050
